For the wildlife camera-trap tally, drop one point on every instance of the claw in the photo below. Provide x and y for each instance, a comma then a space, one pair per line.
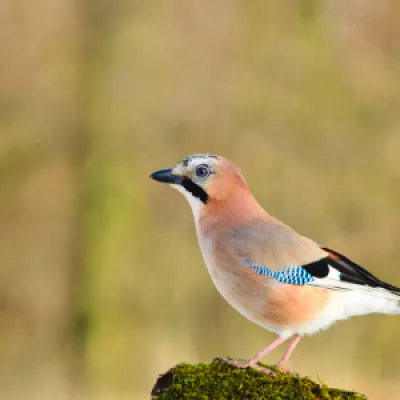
245, 364
286, 371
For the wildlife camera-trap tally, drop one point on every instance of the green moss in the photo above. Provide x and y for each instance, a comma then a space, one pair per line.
221, 381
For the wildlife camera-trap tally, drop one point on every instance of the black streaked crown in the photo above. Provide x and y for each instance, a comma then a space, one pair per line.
186, 161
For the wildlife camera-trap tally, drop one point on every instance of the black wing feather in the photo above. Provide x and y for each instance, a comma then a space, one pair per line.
349, 271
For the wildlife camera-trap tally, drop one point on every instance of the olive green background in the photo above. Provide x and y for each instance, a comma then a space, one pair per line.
102, 285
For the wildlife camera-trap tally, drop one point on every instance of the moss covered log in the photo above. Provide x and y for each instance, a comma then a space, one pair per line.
221, 381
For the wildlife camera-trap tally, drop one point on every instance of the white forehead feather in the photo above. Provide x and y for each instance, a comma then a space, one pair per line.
196, 159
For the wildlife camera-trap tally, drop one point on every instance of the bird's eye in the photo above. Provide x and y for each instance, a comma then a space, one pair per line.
202, 171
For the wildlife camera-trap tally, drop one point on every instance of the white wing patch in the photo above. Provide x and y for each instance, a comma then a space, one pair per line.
333, 273
334, 284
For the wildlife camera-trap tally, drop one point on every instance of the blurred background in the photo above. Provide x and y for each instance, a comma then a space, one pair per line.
102, 284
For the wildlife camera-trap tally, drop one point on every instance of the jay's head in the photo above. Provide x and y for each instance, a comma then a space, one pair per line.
203, 179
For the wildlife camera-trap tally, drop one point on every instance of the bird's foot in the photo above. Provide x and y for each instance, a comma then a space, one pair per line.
245, 364
286, 371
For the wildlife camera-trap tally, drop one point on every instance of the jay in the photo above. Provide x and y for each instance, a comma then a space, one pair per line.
278, 279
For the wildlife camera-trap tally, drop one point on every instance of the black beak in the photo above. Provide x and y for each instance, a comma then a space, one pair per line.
166, 176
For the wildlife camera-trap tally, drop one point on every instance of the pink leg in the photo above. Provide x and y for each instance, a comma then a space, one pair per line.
252, 362
292, 344
277, 342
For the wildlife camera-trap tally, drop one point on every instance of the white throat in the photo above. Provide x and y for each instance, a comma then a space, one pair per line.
195, 203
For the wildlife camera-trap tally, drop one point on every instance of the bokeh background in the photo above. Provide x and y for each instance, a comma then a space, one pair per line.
102, 285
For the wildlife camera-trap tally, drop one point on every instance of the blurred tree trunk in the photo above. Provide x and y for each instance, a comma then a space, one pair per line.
102, 236
90, 164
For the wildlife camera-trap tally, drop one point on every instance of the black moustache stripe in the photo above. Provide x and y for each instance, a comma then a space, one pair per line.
195, 189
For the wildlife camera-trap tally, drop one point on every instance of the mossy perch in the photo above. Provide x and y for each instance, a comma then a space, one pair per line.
217, 381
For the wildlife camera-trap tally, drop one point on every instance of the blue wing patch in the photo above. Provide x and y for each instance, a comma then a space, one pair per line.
293, 275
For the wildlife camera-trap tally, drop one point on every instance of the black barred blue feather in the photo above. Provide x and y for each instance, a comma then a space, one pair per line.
293, 275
